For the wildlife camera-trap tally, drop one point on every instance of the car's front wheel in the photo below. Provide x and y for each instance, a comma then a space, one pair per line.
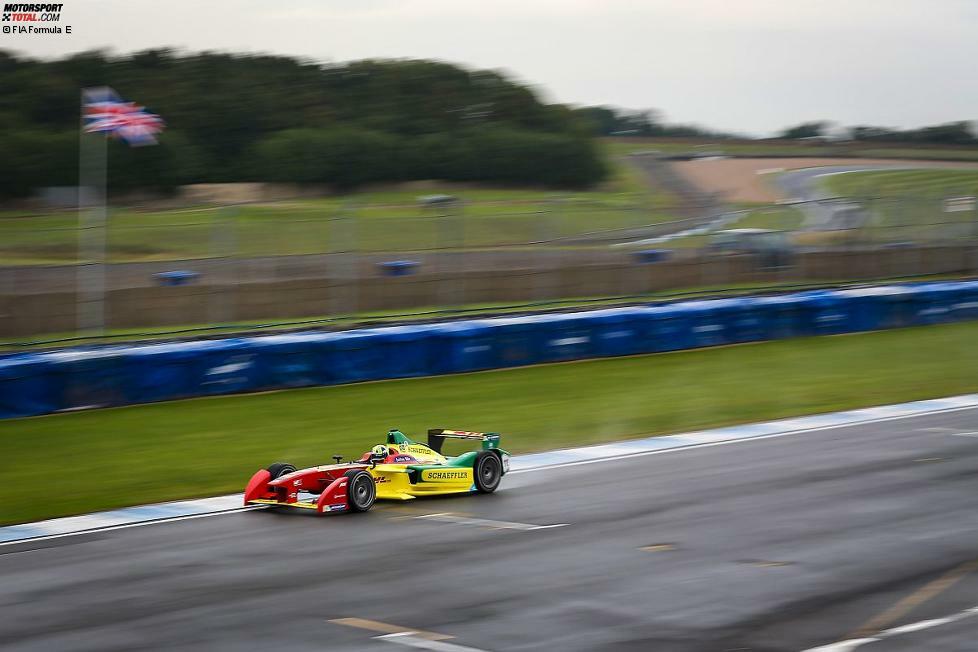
488, 471
279, 469
361, 491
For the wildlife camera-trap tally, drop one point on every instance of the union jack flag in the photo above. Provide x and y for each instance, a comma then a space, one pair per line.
106, 112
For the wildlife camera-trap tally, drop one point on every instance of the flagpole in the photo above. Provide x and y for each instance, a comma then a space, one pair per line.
92, 220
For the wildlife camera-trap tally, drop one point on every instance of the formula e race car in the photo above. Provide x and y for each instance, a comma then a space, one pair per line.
401, 469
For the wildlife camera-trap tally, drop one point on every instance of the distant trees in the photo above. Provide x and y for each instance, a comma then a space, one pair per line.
241, 117
610, 121
351, 157
806, 130
952, 133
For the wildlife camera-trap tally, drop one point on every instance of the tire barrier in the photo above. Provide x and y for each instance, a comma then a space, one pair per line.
91, 377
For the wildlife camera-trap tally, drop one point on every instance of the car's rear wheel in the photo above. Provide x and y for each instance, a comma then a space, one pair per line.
279, 469
361, 491
488, 471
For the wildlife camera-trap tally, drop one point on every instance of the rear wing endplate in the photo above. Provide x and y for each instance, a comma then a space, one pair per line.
437, 437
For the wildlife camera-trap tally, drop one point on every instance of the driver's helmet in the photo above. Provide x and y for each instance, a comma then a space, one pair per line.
379, 452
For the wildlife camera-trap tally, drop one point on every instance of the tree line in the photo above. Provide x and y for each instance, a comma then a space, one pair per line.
646, 123
233, 117
950, 133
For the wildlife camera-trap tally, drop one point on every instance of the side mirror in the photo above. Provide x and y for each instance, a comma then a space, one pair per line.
337, 458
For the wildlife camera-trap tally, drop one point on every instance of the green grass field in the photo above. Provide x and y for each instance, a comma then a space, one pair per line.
908, 205
84, 461
388, 220
905, 183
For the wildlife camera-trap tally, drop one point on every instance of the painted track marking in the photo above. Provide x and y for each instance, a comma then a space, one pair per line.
957, 432
852, 644
658, 547
448, 517
389, 629
928, 591
410, 639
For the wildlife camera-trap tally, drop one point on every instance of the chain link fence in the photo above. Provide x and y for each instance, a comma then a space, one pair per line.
285, 263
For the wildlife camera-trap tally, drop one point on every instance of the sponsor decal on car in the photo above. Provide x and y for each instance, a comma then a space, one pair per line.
439, 475
404, 458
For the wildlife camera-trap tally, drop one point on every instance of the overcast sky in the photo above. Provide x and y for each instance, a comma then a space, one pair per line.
746, 65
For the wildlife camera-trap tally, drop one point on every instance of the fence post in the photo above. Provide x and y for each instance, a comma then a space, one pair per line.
973, 231
547, 284
343, 262
93, 222
449, 236
222, 300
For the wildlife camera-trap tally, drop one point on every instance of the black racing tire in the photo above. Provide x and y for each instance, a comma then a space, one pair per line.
361, 490
279, 469
488, 471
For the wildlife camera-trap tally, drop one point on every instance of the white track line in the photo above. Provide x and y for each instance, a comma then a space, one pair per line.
852, 644
410, 640
447, 517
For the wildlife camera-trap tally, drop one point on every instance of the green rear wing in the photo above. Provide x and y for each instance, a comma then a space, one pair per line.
437, 437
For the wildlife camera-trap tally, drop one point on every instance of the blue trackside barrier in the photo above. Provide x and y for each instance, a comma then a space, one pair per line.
355, 356
669, 328
463, 346
866, 307
783, 316
709, 321
966, 301
874, 308
898, 306
40, 383
515, 342
747, 320
619, 331
565, 336
828, 313
226, 367
935, 302
26, 386
407, 350
162, 372
88, 378
293, 360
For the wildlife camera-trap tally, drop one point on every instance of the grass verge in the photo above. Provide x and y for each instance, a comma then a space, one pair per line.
373, 221
920, 184
101, 459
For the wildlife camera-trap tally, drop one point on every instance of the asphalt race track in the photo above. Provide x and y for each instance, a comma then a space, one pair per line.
786, 543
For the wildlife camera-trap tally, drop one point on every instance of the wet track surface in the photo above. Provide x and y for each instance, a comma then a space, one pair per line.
776, 544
